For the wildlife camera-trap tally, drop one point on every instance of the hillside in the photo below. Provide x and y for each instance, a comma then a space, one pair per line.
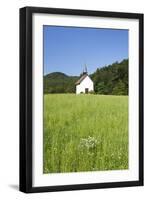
58, 82
111, 79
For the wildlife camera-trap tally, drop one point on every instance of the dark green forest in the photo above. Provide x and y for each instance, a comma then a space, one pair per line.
109, 80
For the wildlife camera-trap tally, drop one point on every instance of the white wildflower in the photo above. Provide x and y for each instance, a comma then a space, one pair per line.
88, 143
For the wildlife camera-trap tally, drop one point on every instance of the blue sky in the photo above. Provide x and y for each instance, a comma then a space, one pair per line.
68, 49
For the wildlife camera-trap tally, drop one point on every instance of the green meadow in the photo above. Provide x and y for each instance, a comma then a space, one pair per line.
85, 133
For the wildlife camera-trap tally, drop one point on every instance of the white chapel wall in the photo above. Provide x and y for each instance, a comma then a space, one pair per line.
86, 83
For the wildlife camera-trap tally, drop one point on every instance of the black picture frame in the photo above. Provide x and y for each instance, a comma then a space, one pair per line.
26, 99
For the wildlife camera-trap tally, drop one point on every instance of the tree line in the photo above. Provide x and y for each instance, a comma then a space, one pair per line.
111, 79
108, 80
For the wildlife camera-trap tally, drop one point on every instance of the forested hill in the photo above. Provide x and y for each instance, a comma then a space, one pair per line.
111, 79
58, 82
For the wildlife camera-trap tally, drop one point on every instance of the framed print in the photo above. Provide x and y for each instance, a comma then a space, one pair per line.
81, 99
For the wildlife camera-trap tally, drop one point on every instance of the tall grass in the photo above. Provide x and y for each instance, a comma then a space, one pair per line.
85, 133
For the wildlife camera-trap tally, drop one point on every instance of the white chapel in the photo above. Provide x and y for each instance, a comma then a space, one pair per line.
84, 84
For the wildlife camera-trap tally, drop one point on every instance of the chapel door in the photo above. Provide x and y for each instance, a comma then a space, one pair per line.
86, 90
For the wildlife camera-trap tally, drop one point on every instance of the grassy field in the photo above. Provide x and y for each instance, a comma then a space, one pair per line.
85, 133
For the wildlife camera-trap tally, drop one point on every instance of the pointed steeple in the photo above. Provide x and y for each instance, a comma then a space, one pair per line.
85, 69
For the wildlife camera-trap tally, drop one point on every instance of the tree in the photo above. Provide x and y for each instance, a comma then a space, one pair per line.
100, 88
119, 89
